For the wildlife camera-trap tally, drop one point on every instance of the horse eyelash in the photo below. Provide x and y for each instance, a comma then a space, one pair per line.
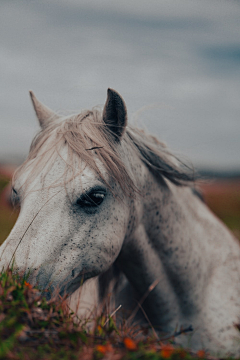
87, 194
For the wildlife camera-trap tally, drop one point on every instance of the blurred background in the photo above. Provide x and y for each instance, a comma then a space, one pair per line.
176, 63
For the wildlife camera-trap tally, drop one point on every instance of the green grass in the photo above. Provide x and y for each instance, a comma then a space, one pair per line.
33, 328
7, 220
3, 182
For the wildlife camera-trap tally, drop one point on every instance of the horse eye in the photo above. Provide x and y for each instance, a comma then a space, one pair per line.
93, 199
14, 191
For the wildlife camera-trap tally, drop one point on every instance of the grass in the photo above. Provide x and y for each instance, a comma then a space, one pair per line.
7, 220
33, 328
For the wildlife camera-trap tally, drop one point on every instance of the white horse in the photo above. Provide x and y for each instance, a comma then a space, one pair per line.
100, 199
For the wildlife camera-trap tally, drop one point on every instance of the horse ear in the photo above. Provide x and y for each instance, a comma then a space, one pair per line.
115, 113
44, 114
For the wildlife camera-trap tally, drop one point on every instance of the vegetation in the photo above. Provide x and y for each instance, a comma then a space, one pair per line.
33, 328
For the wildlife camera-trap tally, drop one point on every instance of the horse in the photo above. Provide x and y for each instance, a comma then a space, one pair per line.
107, 207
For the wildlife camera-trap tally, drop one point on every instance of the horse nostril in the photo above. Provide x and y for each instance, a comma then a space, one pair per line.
73, 273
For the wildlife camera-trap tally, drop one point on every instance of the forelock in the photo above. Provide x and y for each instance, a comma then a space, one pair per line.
87, 140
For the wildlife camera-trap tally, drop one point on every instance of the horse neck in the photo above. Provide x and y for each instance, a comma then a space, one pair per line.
174, 239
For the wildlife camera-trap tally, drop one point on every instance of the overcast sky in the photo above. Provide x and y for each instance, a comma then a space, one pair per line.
179, 60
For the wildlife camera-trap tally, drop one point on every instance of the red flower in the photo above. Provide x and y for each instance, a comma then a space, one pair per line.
129, 344
167, 350
27, 285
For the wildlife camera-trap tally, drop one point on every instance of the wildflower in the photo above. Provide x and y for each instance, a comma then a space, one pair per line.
27, 285
167, 350
201, 354
104, 348
101, 348
129, 344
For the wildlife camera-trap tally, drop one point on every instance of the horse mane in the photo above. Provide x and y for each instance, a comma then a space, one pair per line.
89, 141
159, 159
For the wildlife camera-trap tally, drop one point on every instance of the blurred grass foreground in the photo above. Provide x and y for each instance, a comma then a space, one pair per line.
33, 328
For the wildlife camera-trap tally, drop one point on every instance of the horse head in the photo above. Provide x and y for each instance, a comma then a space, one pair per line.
72, 190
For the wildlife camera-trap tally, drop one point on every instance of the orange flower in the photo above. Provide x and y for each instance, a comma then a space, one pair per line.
101, 348
104, 348
129, 344
167, 350
201, 354
27, 285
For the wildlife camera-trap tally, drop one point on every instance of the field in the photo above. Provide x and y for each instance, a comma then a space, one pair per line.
223, 198
8, 214
32, 328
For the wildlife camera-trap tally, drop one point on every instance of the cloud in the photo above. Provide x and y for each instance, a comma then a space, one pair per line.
183, 56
